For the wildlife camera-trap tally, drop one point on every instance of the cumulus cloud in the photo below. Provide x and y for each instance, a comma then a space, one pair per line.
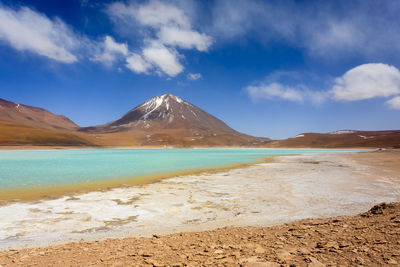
274, 90
367, 81
111, 50
136, 63
166, 59
362, 82
182, 38
165, 27
394, 103
157, 14
299, 93
27, 30
287, 85
194, 76
112, 46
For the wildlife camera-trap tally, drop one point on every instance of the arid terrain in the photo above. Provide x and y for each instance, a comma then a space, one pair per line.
342, 138
368, 239
252, 230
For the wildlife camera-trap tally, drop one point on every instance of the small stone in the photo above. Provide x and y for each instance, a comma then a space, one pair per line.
315, 263
359, 260
332, 244
264, 264
259, 250
154, 263
283, 254
252, 259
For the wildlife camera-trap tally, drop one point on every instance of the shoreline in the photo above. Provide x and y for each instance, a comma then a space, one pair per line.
36, 193
236, 197
47, 192
29, 147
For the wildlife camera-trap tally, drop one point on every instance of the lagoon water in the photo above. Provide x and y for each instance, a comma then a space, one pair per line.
57, 167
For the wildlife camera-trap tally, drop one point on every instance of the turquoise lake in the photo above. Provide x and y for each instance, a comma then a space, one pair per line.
52, 167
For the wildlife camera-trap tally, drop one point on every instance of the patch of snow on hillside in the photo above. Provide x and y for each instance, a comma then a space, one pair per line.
194, 113
366, 137
343, 132
299, 135
153, 103
179, 100
167, 104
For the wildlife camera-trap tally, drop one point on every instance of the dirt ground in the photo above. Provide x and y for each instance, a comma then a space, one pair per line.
369, 239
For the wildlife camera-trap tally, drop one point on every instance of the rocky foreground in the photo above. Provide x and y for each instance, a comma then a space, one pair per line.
370, 239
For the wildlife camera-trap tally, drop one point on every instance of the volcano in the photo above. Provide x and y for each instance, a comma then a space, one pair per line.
168, 119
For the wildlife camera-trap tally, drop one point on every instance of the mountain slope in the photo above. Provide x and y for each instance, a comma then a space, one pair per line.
169, 120
33, 116
26, 125
343, 138
12, 133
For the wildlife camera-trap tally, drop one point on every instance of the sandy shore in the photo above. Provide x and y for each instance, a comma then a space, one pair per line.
265, 194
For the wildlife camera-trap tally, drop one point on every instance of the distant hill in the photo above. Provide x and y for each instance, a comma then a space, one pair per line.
33, 116
343, 138
12, 133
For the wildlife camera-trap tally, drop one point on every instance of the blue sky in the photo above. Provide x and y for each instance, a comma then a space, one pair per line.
267, 68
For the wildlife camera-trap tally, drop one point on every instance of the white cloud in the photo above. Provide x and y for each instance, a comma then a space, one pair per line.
288, 85
233, 19
362, 82
110, 51
182, 38
323, 29
27, 30
164, 58
274, 90
394, 103
112, 46
194, 76
367, 81
157, 14
136, 63
165, 27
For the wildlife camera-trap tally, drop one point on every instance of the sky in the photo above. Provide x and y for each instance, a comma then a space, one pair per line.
266, 68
